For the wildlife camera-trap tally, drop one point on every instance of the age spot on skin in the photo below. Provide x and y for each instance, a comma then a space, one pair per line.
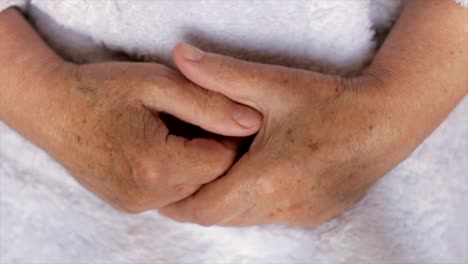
78, 139
289, 133
371, 127
313, 146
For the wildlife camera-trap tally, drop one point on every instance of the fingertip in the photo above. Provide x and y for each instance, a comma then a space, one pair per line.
177, 48
183, 53
234, 128
176, 56
231, 119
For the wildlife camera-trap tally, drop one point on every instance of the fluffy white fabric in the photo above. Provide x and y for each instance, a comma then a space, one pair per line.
463, 2
415, 214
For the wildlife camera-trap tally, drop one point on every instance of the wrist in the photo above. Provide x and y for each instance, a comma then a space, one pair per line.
37, 104
408, 108
31, 75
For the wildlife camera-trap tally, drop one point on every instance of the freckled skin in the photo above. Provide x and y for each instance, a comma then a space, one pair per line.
326, 140
101, 121
314, 156
313, 147
120, 151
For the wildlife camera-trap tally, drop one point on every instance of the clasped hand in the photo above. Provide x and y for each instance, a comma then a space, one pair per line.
321, 141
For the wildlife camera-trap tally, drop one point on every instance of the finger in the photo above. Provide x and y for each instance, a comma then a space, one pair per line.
172, 170
222, 200
209, 110
198, 161
246, 82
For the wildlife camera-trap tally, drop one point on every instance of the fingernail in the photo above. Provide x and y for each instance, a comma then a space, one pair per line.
246, 116
191, 53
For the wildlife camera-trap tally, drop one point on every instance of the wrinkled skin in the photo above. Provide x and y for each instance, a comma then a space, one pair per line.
103, 121
324, 141
121, 149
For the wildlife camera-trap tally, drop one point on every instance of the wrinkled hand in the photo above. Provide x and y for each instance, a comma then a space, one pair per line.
324, 141
103, 123
121, 149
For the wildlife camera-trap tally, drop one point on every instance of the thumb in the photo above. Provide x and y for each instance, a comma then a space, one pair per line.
245, 82
209, 110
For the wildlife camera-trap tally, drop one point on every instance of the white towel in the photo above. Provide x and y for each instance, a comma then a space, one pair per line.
415, 214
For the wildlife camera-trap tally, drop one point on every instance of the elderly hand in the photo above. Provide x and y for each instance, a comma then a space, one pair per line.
115, 143
324, 141
101, 121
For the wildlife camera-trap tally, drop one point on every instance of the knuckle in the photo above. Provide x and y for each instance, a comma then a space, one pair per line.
131, 191
146, 177
148, 173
